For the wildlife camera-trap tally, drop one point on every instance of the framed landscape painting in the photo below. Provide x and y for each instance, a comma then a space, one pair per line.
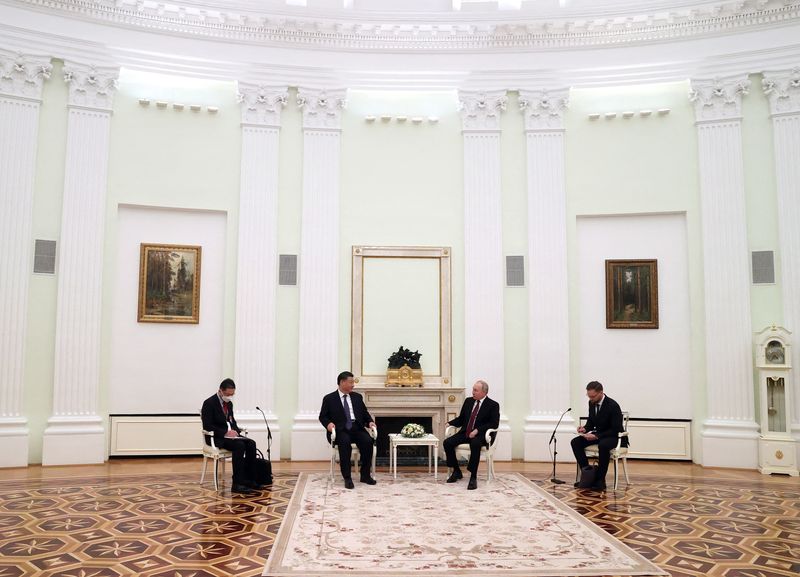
632, 294
169, 283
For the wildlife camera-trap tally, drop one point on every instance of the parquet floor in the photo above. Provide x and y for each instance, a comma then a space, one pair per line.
149, 517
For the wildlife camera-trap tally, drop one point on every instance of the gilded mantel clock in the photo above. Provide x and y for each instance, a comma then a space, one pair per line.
776, 446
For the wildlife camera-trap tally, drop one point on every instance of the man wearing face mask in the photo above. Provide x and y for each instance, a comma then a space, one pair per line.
217, 416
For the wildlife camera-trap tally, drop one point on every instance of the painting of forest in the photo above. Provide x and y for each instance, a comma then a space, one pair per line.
169, 284
632, 294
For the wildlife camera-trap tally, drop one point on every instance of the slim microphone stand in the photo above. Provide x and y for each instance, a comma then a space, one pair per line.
269, 434
554, 441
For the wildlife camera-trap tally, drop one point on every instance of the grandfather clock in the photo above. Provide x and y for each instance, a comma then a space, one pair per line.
776, 447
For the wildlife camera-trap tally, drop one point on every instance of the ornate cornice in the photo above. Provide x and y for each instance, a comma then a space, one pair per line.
719, 99
22, 75
262, 105
91, 86
426, 32
782, 87
321, 108
544, 109
482, 110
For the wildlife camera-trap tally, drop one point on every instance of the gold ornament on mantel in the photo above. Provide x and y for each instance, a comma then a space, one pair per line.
404, 369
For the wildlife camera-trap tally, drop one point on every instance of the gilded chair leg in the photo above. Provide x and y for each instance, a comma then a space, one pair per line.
203, 474
625, 469
216, 468
616, 477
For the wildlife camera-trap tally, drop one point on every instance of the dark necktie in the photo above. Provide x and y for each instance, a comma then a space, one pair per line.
471, 424
349, 424
225, 409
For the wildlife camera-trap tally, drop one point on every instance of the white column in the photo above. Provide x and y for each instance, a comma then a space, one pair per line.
730, 432
257, 270
75, 432
484, 329
548, 300
783, 90
318, 351
21, 80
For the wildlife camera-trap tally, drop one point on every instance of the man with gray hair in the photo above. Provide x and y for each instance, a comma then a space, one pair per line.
478, 414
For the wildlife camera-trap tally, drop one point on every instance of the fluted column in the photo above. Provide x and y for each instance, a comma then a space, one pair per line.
729, 431
548, 301
484, 329
318, 352
257, 270
21, 80
783, 91
75, 432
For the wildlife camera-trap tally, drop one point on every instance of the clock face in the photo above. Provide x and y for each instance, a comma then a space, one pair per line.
775, 353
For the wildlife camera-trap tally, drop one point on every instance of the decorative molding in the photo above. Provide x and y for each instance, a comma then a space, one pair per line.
786, 138
482, 110
783, 90
74, 432
719, 99
505, 31
91, 86
262, 105
544, 109
729, 431
322, 109
22, 75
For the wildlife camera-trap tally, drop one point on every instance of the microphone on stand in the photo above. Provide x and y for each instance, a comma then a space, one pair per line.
269, 433
554, 440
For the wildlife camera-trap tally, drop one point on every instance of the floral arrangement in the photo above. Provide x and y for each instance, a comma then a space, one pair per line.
413, 431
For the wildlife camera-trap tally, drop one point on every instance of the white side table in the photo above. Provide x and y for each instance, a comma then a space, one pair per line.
431, 441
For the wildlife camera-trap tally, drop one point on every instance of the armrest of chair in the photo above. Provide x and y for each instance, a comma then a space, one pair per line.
333, 436
373, 433
451, 430
489, 439
619, 438
210, 435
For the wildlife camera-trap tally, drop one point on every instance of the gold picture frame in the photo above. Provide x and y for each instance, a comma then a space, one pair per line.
632, 294
169, 283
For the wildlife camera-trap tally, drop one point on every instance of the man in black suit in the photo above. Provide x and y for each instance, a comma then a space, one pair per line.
478, 414
217, 416
601, 429
345, 411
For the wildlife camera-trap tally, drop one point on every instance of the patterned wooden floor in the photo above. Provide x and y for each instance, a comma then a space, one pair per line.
166, 525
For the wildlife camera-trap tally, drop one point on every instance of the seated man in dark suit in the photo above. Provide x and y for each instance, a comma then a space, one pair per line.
601, 429
345, 411
217, 416
479, 413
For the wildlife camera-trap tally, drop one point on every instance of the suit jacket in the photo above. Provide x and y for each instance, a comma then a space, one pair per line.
214, 418
332, 411
608, 421
488, 416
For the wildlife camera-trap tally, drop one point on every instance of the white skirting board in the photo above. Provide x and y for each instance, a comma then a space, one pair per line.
155, 435
660, 440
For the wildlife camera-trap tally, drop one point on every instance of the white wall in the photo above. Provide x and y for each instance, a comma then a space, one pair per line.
158, 367
646, 370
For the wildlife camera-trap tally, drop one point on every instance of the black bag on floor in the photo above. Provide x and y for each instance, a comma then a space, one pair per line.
587, 477
262, 469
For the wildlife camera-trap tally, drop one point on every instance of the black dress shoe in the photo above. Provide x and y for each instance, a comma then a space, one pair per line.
348, 484
455, 476
473, 484
599, 487
369, 481
241, 489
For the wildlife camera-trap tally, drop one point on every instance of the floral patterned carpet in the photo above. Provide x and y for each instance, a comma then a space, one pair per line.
416, 527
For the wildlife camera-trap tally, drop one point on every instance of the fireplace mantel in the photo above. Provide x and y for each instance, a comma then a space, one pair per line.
441, 404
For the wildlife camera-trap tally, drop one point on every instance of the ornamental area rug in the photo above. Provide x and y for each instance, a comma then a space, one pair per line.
417, 527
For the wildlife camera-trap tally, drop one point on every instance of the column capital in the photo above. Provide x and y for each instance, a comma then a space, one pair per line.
322, 108
782, 87
718, 99
91, 86
23, 75
262, 105
544, 109
482, 110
